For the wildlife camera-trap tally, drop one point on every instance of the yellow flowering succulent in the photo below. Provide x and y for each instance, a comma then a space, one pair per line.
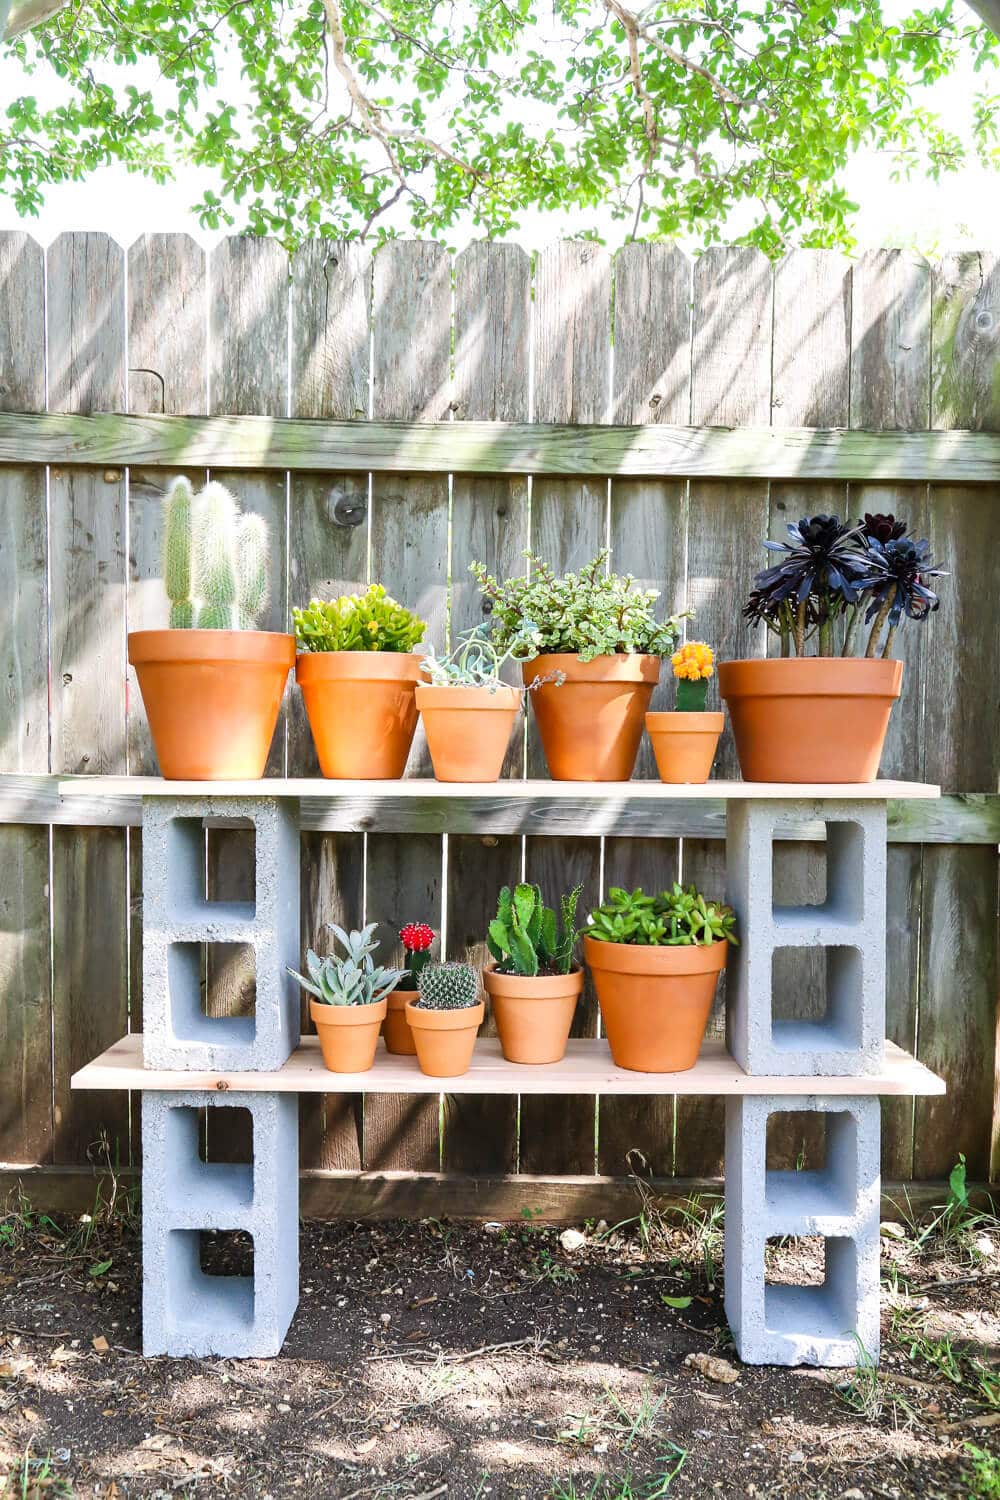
693, 664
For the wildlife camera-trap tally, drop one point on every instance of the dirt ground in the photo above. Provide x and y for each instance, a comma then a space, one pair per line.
430, 1360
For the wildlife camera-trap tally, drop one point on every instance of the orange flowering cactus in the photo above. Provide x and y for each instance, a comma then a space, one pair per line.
693, 664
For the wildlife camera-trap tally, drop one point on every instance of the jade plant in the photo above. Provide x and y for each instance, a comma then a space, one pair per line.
590, 613
450, 986
845, 586
371, 621
351, 979
214, 559
693, 665
525, 938
679, 916
416, 938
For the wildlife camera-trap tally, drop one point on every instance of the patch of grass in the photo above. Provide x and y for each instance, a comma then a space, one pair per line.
984, 1476
699, 1218
956, 1223
35, 1479
605, 1487
616, 1422
873, 1398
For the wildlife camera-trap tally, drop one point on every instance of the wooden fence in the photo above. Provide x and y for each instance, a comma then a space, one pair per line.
573, 338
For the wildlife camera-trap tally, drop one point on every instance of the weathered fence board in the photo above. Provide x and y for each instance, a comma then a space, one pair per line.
460, 466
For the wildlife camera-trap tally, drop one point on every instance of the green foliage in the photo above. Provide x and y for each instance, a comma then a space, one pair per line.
678, 916
476, 662
214, 559
352, 979
671, 116
447, 987
357, 622
524, 936
984, 1476
691, 695
592, 612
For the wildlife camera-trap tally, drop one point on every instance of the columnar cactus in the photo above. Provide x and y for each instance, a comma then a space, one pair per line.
447, 987
214, 560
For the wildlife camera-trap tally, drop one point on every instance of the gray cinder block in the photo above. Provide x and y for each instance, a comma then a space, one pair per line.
813, 1325
184, 1311
850, 926
177, 918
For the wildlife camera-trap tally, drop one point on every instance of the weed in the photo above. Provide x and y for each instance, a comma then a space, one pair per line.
869, 1396
984, 1476
35, 1479
956, 1222
604, 1487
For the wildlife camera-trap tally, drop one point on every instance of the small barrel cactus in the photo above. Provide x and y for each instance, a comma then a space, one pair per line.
214, 560
448, 987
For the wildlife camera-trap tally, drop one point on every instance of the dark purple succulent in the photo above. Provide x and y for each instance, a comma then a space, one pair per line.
823, 557
882, 528
898, 572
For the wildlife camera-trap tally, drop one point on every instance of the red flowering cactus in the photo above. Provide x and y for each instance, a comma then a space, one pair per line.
416, 938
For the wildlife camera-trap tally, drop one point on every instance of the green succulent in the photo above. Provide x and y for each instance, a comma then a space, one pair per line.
447, 987
676, 917
524, 936
371, 621
352, 979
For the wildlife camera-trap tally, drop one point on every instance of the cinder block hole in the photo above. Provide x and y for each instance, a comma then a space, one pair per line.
208, 871
809, 880
209, 1280
209, 1156
810, 1286
212, 992
816, 999
811, 1164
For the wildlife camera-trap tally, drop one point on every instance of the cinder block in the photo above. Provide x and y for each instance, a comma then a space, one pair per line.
849, 1038
177, 918
184, 1311
812, 1325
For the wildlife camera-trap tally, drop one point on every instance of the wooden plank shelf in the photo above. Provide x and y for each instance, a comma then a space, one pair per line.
586, 1069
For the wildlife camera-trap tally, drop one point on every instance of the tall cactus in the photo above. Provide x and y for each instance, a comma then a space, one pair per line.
178, 548
214, 560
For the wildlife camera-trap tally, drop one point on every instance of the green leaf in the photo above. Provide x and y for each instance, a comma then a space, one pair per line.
678, 1302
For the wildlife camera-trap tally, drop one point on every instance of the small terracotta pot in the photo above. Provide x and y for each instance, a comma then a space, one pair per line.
533, 1015
591, 723
362, 710
810, 718
684, 745
396, 1028
212, 698
444, 1038
348, 1034
655, 1002
468, 729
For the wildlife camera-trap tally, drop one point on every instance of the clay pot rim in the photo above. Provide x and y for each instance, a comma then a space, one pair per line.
811, 677
533, 986
641, 958
698, 721
623, 666
347, 1015
476, 699
465, 1019
359, 666
255, 646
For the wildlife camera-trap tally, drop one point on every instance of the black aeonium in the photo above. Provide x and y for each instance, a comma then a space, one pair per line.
897, 585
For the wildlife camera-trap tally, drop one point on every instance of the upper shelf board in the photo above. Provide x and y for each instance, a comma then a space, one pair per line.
586, 1069
316, 787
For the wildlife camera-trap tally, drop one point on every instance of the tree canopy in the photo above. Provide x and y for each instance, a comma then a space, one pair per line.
338, 116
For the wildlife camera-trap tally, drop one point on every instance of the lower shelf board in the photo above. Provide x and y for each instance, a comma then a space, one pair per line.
586, 1069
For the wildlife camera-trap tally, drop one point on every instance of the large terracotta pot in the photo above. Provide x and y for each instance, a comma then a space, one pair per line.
396, 1028
212, 698
591, 723
533, 1015
684, 745
445, 1039
362, 710
468, 729
655, 1002
810, 718
348, 1034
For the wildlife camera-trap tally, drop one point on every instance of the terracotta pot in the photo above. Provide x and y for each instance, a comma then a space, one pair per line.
212, 698
810, 718
655, 1002
348, 1034
396, 1028
468, 729
533, 1015
362, 710
444, 1038
684, 745
591, 724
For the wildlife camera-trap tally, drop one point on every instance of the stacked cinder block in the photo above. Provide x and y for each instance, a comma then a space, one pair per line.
187, 1311
824, 1324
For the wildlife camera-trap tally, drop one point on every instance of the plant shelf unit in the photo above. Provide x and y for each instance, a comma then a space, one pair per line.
835, 1066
